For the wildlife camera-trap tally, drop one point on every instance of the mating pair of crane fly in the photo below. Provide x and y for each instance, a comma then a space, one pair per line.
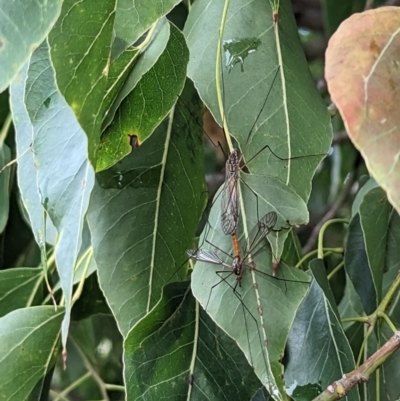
255, 244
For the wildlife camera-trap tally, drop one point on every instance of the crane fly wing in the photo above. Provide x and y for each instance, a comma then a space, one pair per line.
268, 222
205, 255
259, 233
229, 204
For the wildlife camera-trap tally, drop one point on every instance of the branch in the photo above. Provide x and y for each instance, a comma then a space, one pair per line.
342, 387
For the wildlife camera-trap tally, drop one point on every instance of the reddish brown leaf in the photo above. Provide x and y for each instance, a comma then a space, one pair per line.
363, 75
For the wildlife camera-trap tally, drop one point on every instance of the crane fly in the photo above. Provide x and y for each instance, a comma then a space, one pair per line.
259, 234
237, 266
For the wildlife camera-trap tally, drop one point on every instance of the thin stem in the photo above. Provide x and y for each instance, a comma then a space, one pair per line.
43, 258
54, 394
360, 319
91, 370
384, 316
369, 331
114, 387
327, 251
218, 77
88, 254
336, 269
35, 289
390, 294
72, 386
322, 233
5, 128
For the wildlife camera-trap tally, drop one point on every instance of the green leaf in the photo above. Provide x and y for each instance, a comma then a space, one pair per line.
318, 350
17, 288
26, 172
370, 184
144, 213
23, 26
5, 157
392, 259
80, 55
357, 267
147, 59
65, 177
42, 388
28, 338
279, 300
134, 17
149, 102
294, 121
202, 362
375, 214
336, 12
350, 305
85, 260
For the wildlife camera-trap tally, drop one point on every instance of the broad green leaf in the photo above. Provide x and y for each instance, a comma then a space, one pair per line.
5, 157
28, 339
259, 56
357, 266
26, 172
85, 259
375, 214
318, 347
149, 102
65, 177
350, 305
18, 287
368, 186
80, 45
144, 213
279, 300
42, 388
392, 259
202, 362
336, 12
150, 54
363, 54
23, 26
134, 17
355, 336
